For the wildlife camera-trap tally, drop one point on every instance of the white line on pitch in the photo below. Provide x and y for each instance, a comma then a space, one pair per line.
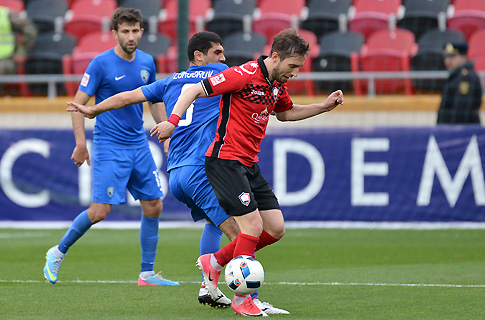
442, 285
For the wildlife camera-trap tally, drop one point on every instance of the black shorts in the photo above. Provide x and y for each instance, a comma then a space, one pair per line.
239, 189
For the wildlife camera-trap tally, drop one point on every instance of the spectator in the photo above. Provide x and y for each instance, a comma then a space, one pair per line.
17, 37
462, 93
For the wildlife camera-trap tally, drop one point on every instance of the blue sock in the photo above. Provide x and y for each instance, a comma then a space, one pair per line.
210, 241
78, 227
149, 242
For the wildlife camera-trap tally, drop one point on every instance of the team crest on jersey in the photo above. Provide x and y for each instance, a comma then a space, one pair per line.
245, 198
215, 80
275, 92
144, 75
111, 191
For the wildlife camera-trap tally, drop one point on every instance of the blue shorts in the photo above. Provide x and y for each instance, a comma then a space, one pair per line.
189, 185
115, 170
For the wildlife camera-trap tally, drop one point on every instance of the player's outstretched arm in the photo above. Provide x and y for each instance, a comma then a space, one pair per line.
300, 112
164, 129
117, 101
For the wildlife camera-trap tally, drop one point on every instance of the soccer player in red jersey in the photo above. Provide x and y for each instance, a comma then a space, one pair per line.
250, 94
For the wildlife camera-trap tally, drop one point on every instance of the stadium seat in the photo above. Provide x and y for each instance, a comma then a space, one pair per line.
198, 10
86, 16
157, 46
336, 49
303, 86
14, 5
276, 15
241, 47
46, 58
421, 16
324, 16
371, 15
231, 16
385, 50
468, 17
150, 10
430, 57
476, 45
87, 48
47, 15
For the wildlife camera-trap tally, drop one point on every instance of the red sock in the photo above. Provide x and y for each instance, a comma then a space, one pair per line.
246, 245
224, 255
265, 239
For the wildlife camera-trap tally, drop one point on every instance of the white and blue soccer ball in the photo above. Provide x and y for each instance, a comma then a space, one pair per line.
244, 275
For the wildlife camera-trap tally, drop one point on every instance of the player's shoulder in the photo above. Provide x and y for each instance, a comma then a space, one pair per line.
143, 55
249, 68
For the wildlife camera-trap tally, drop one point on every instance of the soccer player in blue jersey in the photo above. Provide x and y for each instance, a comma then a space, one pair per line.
188, 144
121, 155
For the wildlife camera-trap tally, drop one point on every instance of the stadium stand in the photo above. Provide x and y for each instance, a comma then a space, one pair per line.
274, 15
198, 10
336, 49
150, 9
46, 58
241, 47
369, 16
157, 46
421, 16
476, 49
386, 50
14, 5
325, 16
87, 48
47, 15
231, 16
86, 16
468, 16
430, 57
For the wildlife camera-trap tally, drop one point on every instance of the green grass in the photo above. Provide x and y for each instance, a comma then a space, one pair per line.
313, 273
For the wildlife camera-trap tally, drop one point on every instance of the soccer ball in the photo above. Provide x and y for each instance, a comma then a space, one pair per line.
244, 275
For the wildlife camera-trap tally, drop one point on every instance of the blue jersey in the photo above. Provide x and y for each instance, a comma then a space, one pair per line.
197, 127
107, 75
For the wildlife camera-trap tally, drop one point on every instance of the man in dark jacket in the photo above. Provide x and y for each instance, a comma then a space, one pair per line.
462, 93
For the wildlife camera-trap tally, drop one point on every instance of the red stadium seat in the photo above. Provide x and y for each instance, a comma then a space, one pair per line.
468, 17
476, 45
276, 15
88, 16
14, 5
373, 15
197, 13
88, 47
386, 50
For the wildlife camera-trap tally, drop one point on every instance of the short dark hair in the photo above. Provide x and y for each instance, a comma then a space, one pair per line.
126, 15
288, 44
202, 41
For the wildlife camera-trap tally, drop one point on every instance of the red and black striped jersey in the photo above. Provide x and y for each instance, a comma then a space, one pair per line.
248, 98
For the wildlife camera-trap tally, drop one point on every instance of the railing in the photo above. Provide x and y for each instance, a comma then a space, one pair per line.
52, 80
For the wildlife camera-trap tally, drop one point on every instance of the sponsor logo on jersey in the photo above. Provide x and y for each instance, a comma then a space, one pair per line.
85, 80
258, 92
144, 75
245, 198
215, 80
120, 77
261, 117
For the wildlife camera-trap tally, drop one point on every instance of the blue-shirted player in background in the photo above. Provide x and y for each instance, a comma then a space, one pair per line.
121, 155
188, 144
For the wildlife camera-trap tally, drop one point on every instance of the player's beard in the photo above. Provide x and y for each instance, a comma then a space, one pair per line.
278, 75
125, 48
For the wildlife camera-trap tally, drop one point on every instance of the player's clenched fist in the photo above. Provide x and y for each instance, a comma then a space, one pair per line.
163, 130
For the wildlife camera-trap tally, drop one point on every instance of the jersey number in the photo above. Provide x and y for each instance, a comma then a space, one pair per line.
190, 110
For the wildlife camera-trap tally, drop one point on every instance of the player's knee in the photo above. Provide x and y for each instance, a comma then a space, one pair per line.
153, 208
97, 215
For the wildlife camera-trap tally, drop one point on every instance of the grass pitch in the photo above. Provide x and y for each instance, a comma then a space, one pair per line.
313, 273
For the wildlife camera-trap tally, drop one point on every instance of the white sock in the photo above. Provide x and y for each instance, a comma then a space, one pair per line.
238, 299
146, 274
215, 264
58, 253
